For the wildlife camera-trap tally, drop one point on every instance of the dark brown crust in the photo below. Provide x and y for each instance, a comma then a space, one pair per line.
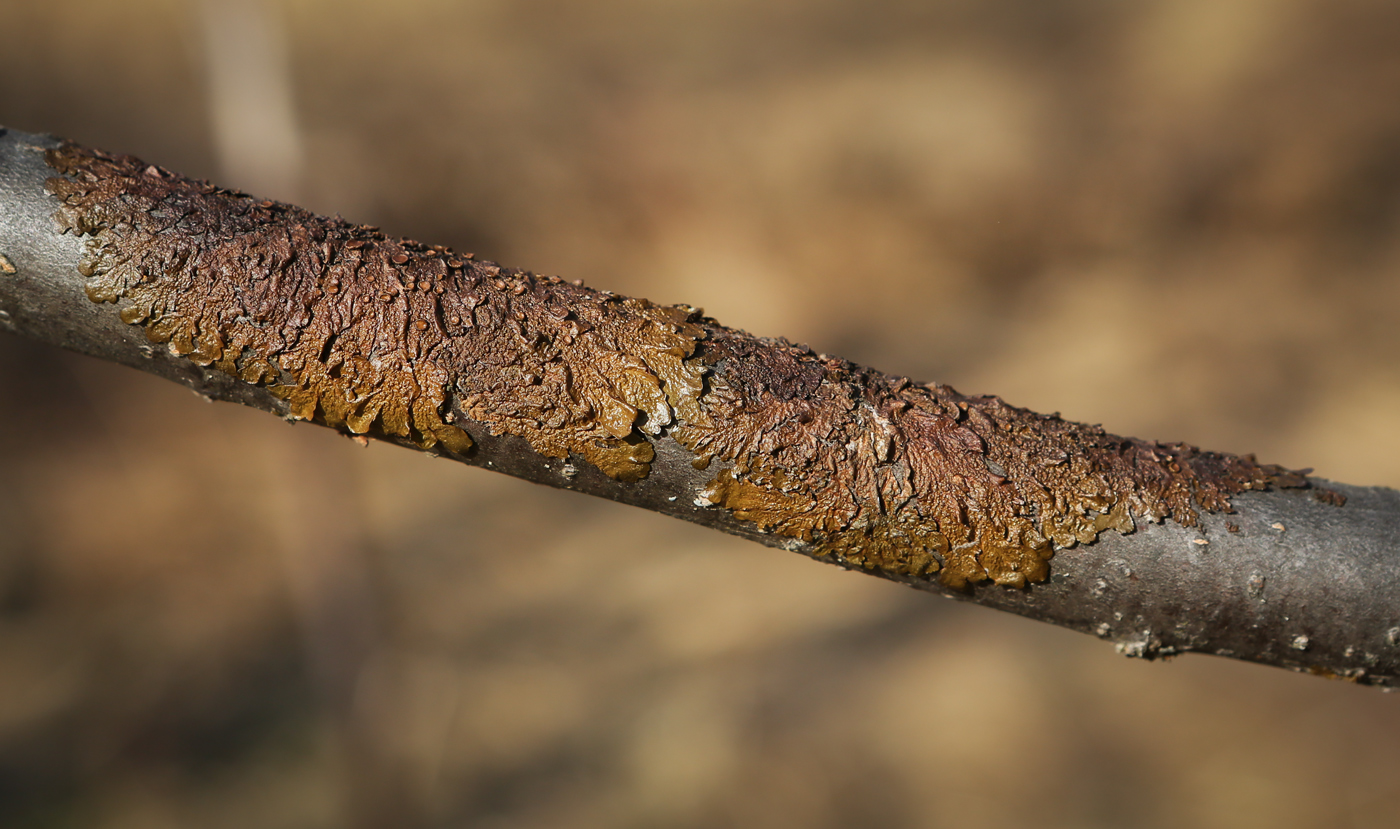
904, 478
371, 335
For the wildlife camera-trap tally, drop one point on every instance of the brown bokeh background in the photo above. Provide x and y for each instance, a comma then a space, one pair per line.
1179, 218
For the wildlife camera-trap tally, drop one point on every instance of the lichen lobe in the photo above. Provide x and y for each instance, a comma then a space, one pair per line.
911, 480
372, 335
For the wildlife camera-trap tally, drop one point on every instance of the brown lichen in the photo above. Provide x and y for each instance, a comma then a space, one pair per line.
371, 335
367, 334
1330, 497
882, 474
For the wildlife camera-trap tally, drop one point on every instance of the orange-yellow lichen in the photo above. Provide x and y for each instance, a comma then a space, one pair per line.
367, 334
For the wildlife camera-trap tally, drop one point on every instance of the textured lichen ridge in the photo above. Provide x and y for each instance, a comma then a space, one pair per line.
909, 479
371, 335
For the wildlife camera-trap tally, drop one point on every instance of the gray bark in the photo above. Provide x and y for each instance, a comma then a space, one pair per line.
1286, 580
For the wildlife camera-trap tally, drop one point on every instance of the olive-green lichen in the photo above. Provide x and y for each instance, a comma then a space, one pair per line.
368, 334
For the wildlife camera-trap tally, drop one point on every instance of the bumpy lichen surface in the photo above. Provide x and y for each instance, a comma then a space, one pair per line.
372, 335
361, 332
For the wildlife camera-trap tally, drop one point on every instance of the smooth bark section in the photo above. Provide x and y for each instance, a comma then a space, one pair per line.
1298, 582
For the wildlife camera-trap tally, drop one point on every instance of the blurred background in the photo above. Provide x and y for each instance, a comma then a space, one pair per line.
1178, 218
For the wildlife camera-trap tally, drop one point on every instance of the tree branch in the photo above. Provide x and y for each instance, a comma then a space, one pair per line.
1161, 548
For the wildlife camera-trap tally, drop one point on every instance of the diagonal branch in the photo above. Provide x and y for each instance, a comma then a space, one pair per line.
1162, 548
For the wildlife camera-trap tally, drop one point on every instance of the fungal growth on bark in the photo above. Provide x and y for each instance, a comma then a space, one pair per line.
658, 406
395, 339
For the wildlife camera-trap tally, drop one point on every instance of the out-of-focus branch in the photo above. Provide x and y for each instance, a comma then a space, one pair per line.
1162, 548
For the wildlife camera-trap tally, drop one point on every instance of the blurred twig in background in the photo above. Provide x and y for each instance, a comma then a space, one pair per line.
252, 109
259, 148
